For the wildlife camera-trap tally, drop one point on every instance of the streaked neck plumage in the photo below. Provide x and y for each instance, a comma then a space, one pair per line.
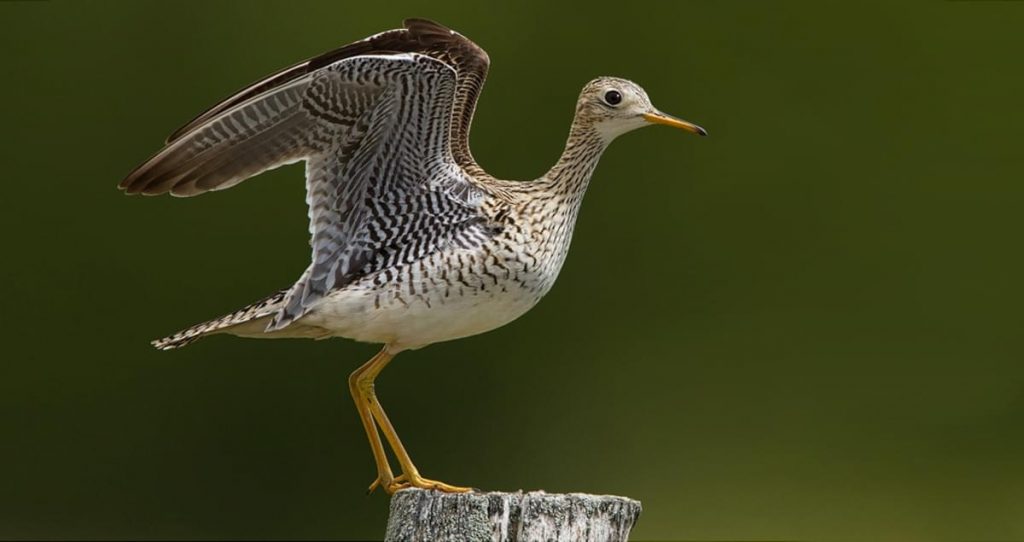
570, 175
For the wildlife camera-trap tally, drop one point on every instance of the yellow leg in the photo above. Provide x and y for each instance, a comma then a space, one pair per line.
384, 475
410, 475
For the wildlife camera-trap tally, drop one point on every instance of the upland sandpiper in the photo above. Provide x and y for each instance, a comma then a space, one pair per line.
413, 242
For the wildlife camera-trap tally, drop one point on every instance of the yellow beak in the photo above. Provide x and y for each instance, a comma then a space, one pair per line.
668, 120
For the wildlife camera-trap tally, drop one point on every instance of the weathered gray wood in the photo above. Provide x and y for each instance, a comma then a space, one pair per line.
420, 515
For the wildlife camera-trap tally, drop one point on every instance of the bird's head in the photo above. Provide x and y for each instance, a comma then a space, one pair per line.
615, 106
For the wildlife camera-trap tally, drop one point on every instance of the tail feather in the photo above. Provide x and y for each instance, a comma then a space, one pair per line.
261, 309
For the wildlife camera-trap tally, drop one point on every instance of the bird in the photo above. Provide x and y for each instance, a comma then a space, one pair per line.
413, 242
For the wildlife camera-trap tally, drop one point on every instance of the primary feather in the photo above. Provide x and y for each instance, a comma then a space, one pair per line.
374, 123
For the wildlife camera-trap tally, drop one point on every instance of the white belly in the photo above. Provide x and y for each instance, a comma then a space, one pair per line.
407, 321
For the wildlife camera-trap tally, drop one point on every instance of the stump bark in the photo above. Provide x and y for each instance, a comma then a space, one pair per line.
421, 515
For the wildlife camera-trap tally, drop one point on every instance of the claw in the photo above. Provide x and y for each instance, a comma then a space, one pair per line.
405, 482
377, 483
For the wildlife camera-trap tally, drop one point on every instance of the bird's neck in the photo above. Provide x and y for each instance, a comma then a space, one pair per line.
570, 176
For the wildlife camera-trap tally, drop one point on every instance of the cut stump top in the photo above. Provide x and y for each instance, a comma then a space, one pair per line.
422, 515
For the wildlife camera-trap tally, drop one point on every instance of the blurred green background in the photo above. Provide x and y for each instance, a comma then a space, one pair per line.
807, 325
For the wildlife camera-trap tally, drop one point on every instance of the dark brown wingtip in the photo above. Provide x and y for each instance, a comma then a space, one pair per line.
137, 180
128, 184
133, 187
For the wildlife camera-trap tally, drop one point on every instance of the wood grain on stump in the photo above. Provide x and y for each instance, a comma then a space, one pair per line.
420, 515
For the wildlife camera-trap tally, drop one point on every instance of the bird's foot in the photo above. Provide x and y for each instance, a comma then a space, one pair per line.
379, 483
404, 482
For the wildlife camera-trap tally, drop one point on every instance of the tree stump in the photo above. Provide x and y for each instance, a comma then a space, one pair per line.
421, 515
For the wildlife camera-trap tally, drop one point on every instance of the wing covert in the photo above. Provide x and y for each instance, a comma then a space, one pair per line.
372, 191
387, 179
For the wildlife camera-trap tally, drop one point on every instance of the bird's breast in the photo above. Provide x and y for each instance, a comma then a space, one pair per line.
452, 293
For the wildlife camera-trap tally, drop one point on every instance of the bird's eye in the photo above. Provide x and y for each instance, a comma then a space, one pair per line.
613, 97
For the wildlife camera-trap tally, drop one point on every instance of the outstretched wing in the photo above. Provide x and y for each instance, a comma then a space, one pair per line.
428, 38
382, 185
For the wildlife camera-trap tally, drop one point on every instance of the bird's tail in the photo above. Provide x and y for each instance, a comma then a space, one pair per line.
256, 315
